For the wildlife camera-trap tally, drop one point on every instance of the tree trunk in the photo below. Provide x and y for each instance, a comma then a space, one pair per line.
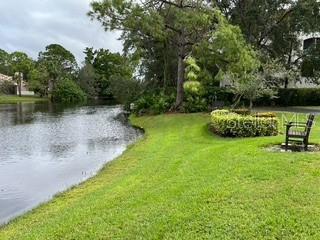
236, 101
20, 83
286, 82
250, 105
180, 78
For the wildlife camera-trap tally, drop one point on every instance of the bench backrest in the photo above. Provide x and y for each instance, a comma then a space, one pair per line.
309, 124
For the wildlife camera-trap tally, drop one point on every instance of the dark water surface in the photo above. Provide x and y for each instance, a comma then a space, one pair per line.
45, 150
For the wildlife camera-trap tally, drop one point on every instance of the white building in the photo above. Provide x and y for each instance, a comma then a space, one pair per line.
24, 86
306, 41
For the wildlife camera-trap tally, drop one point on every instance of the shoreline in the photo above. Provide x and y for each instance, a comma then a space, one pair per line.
13, 99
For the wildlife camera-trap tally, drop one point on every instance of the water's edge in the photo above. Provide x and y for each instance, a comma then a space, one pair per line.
51, 198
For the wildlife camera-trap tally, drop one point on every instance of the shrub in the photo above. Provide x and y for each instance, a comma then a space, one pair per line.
67, 91
7, 87
236, 125
194, 103
293, 97
242, 111
265, 115
220, 112
153, 104
193, 87
194, 97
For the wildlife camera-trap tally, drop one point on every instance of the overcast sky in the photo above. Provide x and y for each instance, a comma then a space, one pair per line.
30, 25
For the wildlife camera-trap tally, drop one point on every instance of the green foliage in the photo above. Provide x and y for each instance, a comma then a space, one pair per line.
242, 111
193, 88
192, 69
274, 27
107, 67
125, 90
4, 62
194, 92
87, 80
195, 103
39, 80
153, 104
298, 97
59, 63
7, 87
265, 115
251, 86
67, 91
235, 125
156, 32
20, 62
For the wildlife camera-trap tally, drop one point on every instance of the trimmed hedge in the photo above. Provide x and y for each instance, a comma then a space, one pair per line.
265, 115
285, 97
241, 111
228, 124
292, 97
298, 97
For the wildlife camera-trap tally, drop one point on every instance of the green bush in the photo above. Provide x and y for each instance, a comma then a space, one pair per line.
153, 104
194, 103
67, 91
194, 100
7, 87
241, 111
298, 97
265, 115
228, 124
292, 97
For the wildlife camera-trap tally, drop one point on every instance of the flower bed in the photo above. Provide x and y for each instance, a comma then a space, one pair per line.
229, 124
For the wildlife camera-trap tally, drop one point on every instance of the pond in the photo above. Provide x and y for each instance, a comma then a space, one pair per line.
45, 149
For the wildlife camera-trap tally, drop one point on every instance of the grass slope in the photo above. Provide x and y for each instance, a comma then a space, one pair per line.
181, 182
8, 99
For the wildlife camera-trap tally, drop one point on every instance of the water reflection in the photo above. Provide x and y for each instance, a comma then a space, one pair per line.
45, 149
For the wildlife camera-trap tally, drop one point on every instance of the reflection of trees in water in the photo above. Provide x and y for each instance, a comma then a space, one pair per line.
102, 143
24, 113
62, 150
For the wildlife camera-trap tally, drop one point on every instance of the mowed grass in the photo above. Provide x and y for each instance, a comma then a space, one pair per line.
12, 99
181, 182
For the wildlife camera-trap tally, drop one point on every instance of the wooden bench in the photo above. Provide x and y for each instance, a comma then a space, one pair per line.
299, 132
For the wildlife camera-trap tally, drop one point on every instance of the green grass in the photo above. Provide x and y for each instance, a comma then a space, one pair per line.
181, 182
12, 99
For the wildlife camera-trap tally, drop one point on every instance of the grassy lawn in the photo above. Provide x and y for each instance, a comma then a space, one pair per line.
12, 99
180, 182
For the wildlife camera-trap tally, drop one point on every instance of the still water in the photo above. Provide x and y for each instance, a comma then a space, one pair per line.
46, 149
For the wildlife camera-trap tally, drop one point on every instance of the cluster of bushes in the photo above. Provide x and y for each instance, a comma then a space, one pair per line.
7, 87
292, 97
198, 99
231, 124
67, 91
153, 104
298, 97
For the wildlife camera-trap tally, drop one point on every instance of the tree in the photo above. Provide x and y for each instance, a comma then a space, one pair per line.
4, 62
273, 27
237, 62
39, 80
158, 22
106, 65
87, 80
59, 63
20, 65
67, 91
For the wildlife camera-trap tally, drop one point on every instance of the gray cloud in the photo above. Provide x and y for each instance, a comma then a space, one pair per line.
30, 25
